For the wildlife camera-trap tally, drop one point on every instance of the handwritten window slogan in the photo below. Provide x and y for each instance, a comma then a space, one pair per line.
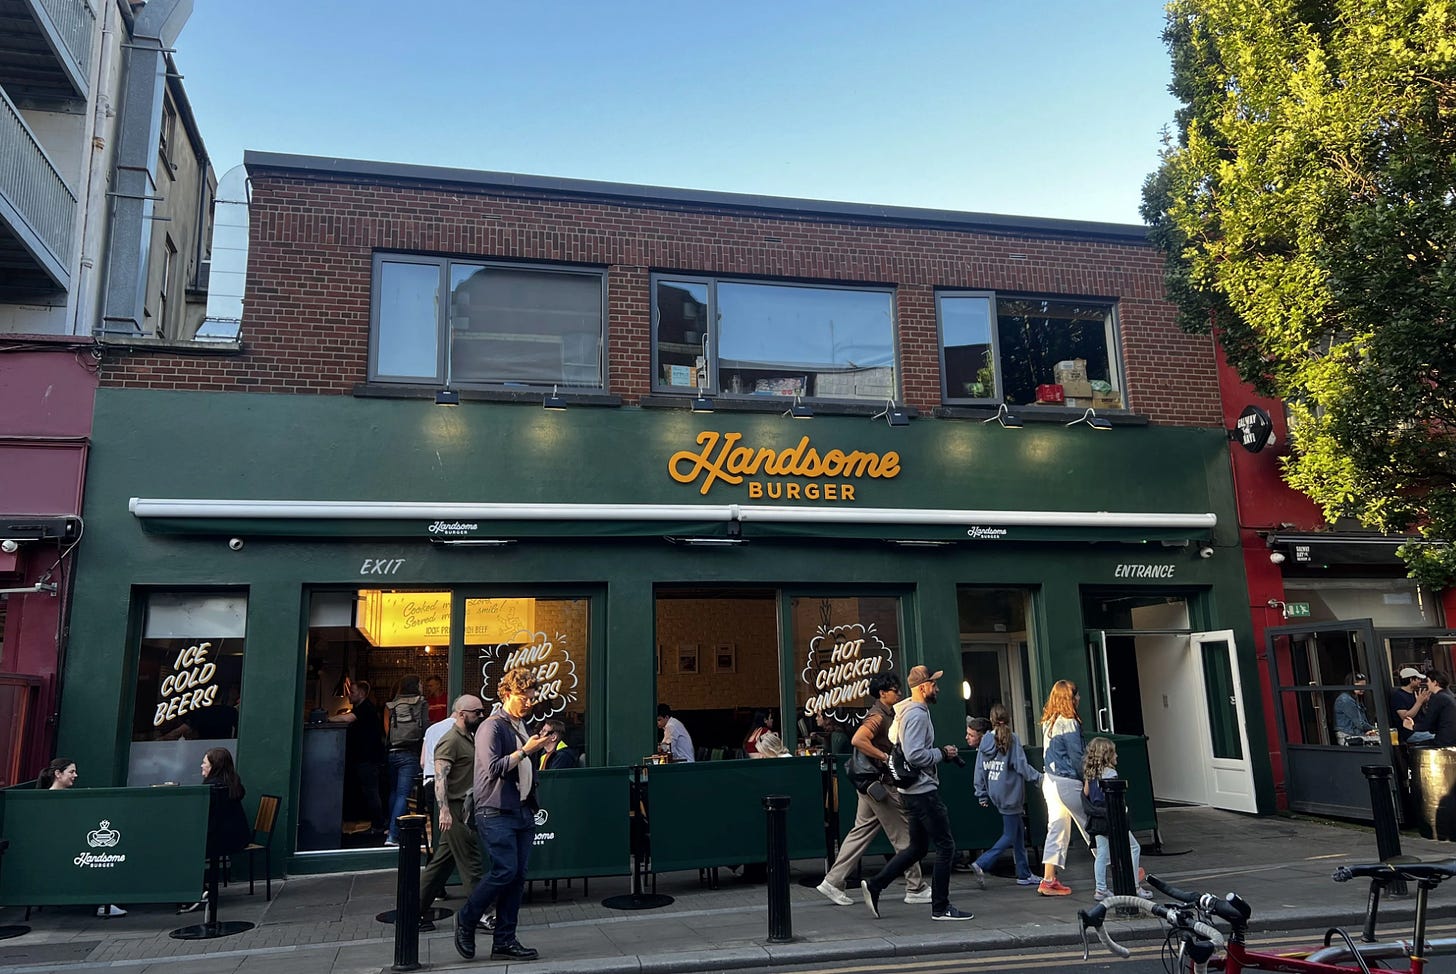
844, 649
550, 641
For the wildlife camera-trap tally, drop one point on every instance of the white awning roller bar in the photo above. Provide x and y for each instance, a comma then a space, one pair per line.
148, 507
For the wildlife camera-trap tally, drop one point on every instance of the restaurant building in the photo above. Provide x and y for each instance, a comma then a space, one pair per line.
724, 452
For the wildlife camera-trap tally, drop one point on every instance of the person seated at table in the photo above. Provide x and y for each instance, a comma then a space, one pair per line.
59, 775
556, 755
1352, 723
228, 829
761, 741
829, 735
676, 742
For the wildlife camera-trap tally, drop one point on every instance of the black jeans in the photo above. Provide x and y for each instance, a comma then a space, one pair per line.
929, 822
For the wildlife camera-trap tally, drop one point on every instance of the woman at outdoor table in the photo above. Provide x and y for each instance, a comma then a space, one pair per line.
228, 830
59, 775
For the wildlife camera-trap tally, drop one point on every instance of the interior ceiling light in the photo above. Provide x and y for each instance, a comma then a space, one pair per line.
447, 397
553, 402
1005, 417
1090, 418
798, 410
892, 414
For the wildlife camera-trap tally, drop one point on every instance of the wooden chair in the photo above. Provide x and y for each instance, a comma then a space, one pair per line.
263, 823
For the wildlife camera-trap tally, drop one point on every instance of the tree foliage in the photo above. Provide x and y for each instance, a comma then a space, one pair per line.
1307, 205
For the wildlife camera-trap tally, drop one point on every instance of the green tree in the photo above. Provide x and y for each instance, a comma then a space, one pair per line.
1306, 202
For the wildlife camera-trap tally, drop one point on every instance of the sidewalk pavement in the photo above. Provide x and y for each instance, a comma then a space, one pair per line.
319, 924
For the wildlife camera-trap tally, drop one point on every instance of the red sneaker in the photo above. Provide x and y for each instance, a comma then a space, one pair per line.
1053, 888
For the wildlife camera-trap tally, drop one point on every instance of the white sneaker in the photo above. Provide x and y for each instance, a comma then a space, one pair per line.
921, 895
836, 895
110, 910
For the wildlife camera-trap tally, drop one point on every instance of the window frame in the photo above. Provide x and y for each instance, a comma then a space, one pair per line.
712, 333
444, 377
1112, 327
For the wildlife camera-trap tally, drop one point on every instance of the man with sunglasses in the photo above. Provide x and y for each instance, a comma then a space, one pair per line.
505, 810
453, 775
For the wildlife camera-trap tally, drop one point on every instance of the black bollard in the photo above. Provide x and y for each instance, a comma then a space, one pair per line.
1382, 809
780, 920
407, 894
1123, 880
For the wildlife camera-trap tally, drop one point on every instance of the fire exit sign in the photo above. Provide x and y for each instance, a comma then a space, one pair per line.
1294, 610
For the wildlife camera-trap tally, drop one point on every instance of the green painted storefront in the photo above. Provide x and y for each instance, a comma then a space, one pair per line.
247, 448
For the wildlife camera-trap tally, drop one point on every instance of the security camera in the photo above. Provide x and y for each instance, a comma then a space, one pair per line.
235, 543
1205, 552
9, 547
1277, 557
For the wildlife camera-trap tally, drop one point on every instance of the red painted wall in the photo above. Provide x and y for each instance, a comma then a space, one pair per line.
47, 394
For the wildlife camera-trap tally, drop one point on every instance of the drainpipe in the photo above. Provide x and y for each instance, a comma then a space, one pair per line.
93, 220
134, 182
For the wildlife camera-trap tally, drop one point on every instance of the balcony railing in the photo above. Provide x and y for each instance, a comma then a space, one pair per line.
34, 199
73, 23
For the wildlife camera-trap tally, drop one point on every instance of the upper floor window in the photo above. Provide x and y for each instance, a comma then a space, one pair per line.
468, 323
765, 339
1023, 351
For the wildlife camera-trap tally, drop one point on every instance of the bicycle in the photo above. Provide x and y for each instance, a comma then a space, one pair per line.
1194, 944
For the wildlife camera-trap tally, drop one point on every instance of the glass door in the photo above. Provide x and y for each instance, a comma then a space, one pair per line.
1101, 682
1325, 686
1225, 732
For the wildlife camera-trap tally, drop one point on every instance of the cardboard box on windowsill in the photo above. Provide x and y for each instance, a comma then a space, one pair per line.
1107, 400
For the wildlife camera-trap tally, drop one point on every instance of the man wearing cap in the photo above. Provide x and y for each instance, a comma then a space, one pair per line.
878, 806
929, 820
1407, 698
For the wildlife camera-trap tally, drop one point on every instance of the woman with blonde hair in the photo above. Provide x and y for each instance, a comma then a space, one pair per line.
1061, 785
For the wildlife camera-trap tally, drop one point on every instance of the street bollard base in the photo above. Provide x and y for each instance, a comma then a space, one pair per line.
436, 913
211, 931
637, 901
11, 932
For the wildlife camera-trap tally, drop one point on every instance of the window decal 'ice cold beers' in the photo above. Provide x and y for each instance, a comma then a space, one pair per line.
721, 458
841, 661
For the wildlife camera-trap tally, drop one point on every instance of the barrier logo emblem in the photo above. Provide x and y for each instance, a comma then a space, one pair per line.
103, 838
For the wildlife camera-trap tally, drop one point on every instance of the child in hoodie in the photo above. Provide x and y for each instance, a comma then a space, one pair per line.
1002, 774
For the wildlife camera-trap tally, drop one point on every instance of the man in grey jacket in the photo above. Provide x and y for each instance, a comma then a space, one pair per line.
929, 820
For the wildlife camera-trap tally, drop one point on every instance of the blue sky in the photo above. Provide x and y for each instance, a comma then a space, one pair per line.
1039, 108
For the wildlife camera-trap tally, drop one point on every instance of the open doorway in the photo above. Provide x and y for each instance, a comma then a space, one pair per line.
1152, 676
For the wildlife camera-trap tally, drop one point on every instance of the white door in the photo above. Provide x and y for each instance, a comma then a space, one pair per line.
1223, 729
1102, 720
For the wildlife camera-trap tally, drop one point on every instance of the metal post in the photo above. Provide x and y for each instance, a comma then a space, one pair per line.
1381, 778
780, 921
407, 894
1123, 880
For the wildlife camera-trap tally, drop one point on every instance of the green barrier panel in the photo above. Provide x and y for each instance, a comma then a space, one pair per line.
849, 805
582, 827
710, 813
974, 827
103, 845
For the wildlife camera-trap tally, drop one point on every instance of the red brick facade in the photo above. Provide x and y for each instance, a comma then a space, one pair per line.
306, 324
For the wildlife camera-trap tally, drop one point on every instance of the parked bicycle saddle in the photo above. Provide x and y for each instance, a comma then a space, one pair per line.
1417, 872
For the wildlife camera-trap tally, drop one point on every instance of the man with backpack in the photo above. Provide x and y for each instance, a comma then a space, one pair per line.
913, 767
878, 806
405, 719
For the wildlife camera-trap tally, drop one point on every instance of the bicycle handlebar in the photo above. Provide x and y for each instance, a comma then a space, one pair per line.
1170, 915
1174, 892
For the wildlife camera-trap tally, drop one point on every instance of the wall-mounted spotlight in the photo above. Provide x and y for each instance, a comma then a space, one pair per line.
702, 404
553, 402
447, 397
1277, 557
892, 414
798, 410
9, 546
1090, 418
1005, 417
1206, 551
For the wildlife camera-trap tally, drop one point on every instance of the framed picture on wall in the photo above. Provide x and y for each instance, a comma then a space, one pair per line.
687, 658
725, 658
